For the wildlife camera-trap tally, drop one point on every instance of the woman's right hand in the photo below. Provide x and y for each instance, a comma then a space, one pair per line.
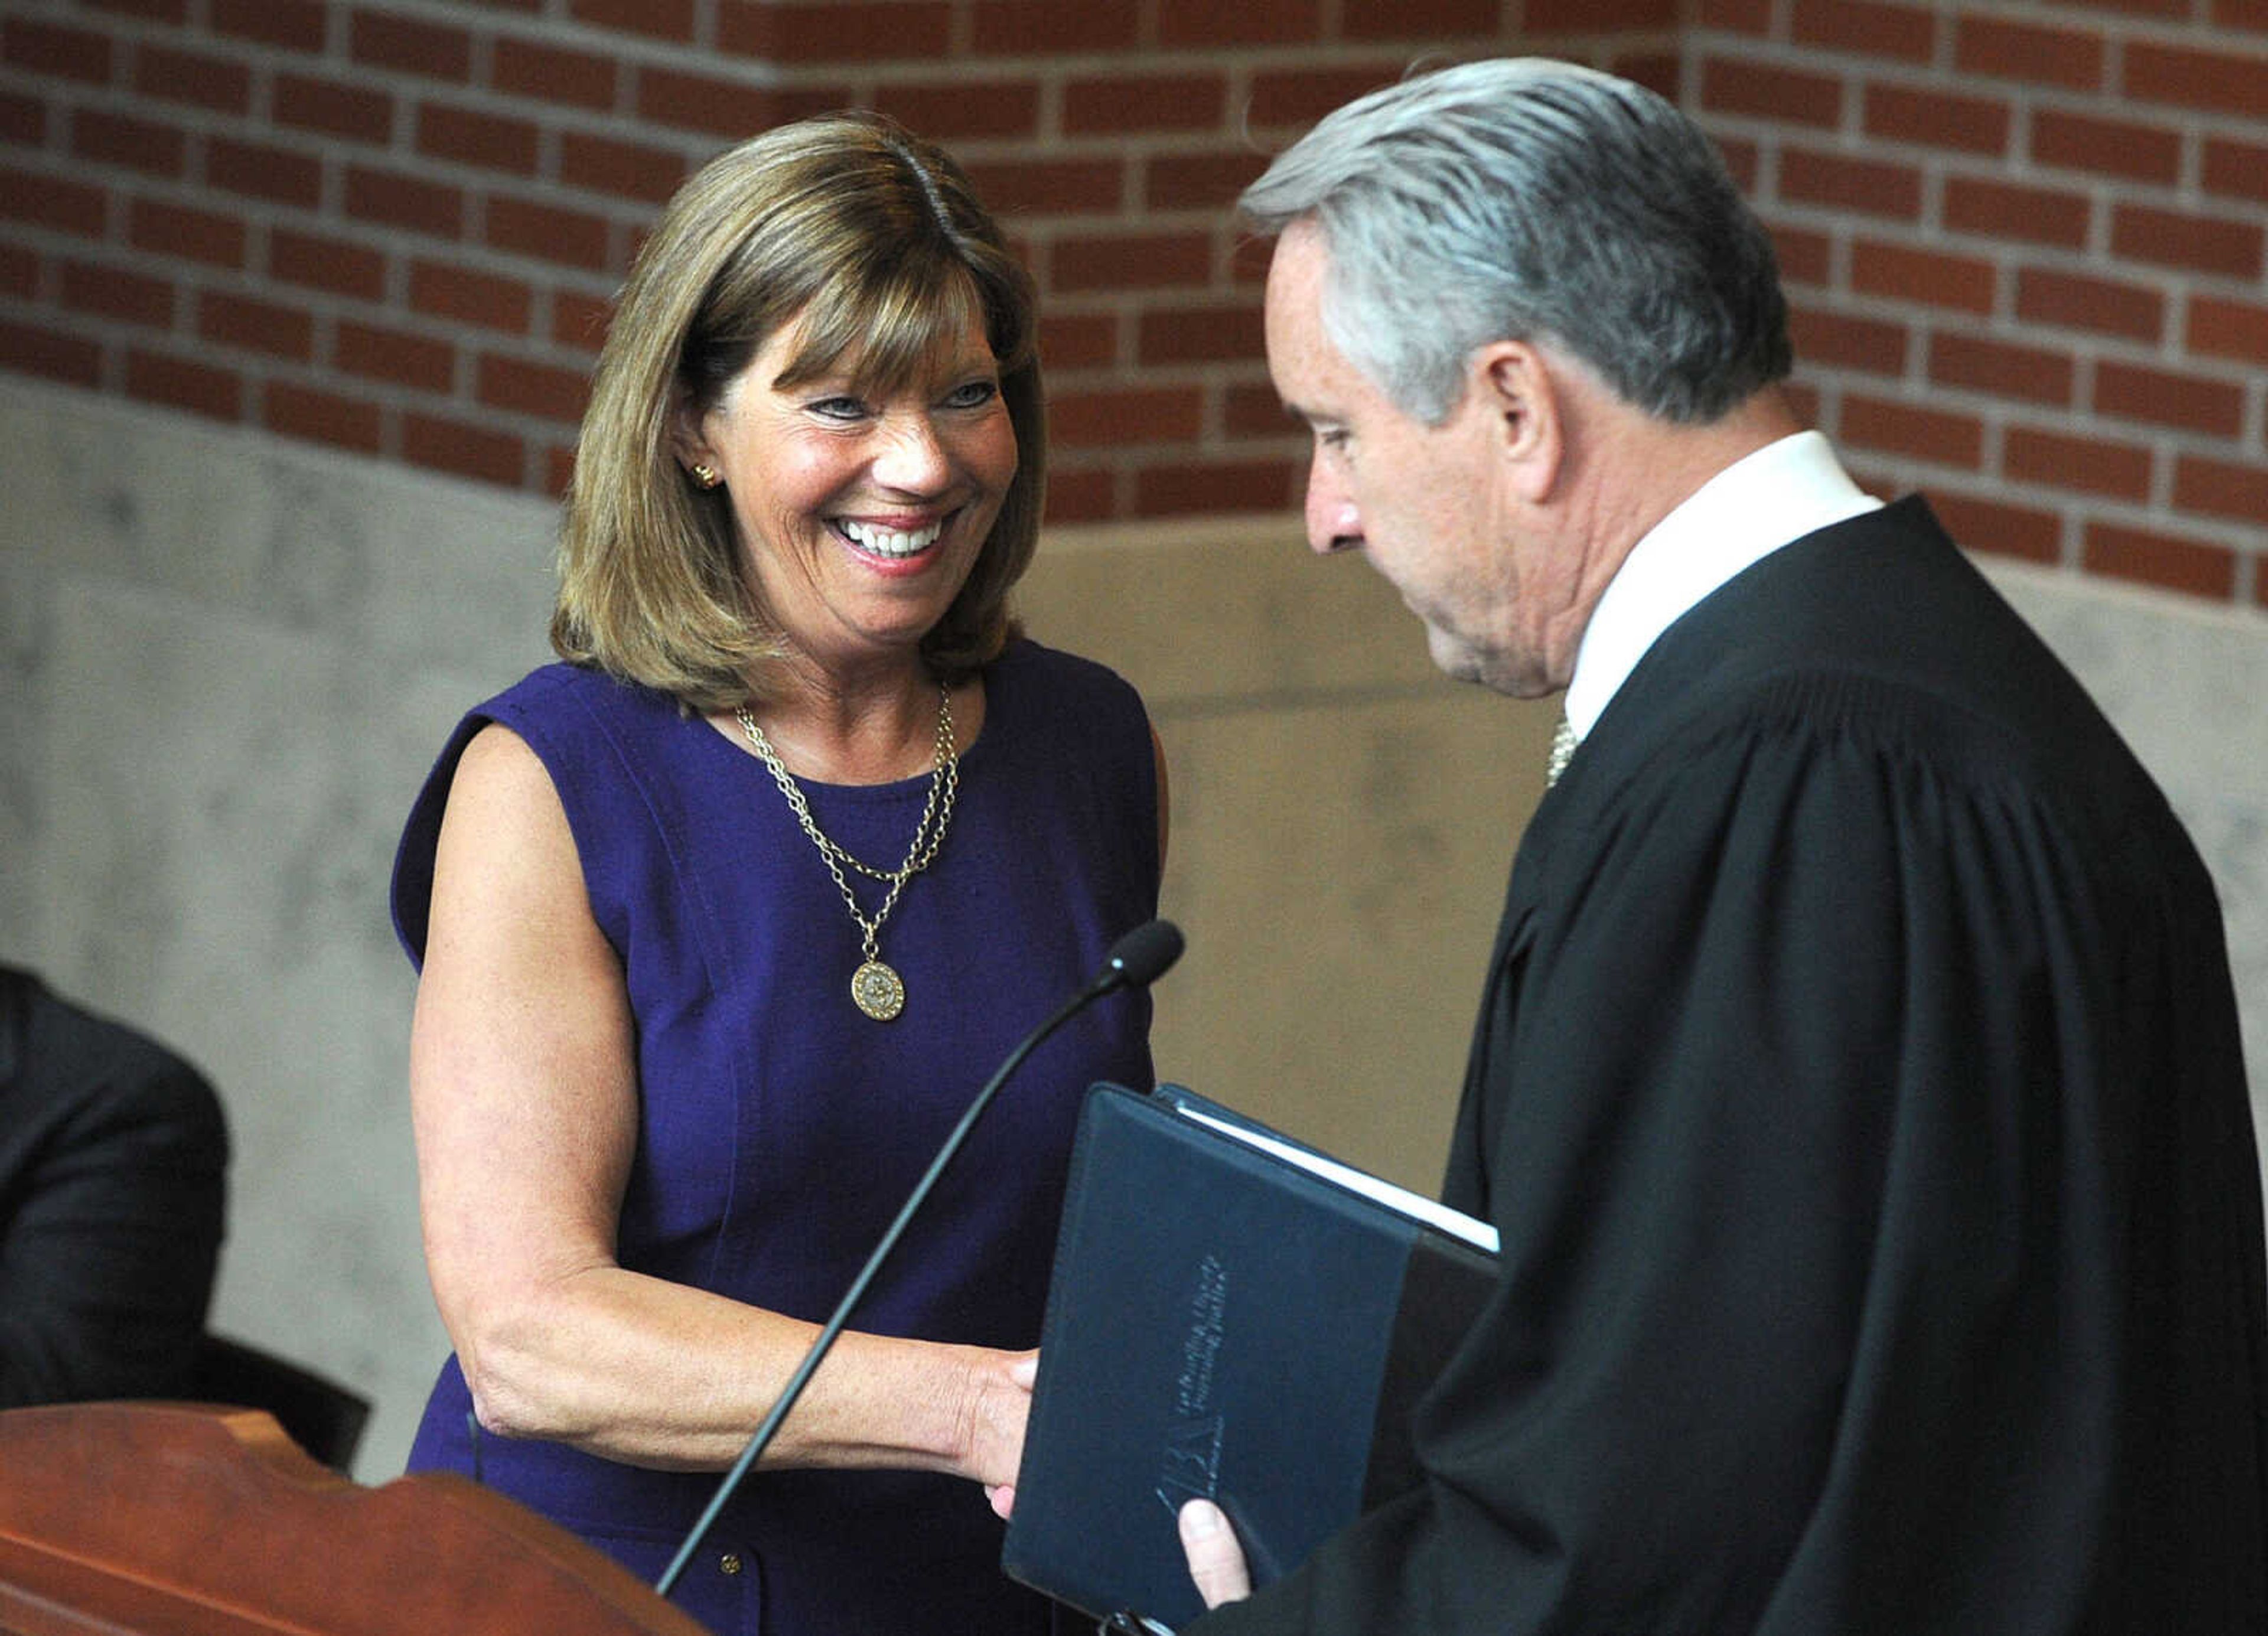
999, 1403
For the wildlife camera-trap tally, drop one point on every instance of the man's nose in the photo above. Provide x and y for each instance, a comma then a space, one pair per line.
1333, 522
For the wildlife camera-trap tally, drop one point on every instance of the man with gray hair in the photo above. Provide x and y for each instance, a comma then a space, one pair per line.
1857, 1086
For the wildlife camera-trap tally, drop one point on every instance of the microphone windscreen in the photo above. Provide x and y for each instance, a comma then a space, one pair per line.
1145, 955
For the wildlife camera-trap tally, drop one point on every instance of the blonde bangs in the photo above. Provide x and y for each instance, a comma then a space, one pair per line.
885, 330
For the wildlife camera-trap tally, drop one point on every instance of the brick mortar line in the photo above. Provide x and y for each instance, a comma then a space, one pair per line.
1920, 322
535, 345
473, 345
2079, 345
470, 343
1922, 234
480, 186
555, 122
1998, 411
702, 56
2074, 509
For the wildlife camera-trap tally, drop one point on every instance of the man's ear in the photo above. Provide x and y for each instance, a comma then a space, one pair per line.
1527, 427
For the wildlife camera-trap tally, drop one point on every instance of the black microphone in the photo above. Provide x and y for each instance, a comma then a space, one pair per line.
1136, 960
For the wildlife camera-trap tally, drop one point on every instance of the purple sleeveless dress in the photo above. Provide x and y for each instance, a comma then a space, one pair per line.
780, 1129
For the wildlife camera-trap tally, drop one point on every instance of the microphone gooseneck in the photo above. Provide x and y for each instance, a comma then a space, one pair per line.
1136, 960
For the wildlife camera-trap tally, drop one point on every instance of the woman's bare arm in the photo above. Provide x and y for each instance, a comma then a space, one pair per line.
524, 1095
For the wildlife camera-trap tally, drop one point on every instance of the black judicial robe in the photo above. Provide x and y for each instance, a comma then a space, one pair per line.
1857, 1092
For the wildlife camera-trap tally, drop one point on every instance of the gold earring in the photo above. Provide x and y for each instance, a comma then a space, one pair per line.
705, 475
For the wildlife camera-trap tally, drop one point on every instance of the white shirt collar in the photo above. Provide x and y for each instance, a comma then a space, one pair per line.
1758, 504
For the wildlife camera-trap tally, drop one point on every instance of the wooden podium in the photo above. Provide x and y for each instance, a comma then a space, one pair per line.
135, 1519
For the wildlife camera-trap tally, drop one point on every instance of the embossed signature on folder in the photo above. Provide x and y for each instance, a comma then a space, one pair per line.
1190, 1466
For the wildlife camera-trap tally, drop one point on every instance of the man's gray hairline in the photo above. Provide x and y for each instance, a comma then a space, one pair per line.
1420, 406
1342, 169
1421, 87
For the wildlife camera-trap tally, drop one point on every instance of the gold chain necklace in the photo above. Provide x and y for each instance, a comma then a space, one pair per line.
875, 989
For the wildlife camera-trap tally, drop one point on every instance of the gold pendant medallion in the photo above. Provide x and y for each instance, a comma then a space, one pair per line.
877, 991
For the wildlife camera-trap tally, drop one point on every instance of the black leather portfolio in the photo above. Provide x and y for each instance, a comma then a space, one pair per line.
1233, 1316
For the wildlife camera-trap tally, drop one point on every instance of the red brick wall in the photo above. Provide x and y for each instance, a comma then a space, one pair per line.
2024, 240
395, 227
2024, 244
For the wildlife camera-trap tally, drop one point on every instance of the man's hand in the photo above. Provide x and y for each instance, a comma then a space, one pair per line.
1216, 1560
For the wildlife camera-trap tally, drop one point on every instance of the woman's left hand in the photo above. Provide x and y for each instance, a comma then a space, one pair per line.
1000, 1406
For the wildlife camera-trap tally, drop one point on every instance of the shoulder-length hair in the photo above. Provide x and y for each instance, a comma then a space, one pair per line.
874, 242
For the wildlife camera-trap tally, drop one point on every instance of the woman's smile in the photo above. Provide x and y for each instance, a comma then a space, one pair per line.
898, 542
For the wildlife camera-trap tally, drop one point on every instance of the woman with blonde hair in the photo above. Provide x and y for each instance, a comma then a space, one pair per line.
723, 918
